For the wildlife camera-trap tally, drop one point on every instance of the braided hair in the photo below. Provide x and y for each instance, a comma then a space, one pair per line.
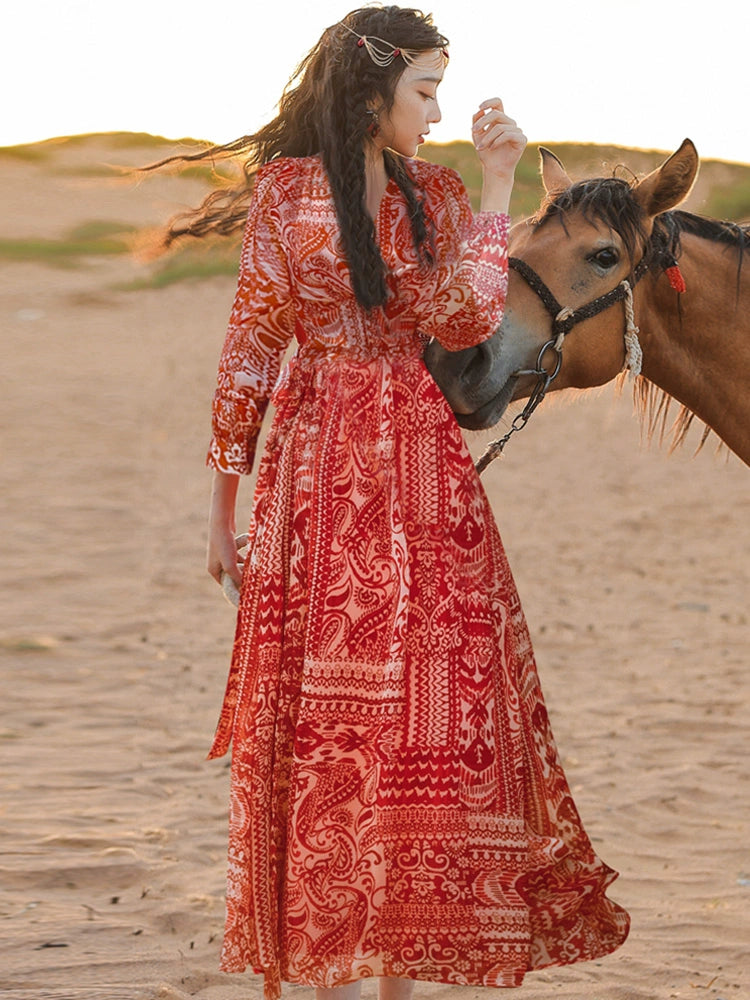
325, 110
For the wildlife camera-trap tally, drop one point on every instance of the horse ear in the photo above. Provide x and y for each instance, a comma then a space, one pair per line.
670, 183
553, 173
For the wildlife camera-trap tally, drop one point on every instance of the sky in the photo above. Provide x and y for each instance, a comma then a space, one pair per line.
644, 73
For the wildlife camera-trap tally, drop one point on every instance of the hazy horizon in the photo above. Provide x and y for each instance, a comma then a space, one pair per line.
200, 139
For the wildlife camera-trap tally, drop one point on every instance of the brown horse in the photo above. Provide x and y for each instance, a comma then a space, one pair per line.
595, 250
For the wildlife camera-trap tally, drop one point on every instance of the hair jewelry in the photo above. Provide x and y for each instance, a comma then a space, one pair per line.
382, 52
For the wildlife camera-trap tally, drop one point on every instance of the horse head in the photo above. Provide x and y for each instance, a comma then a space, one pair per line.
586, 240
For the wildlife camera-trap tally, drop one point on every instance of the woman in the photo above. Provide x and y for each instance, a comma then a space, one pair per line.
398, 808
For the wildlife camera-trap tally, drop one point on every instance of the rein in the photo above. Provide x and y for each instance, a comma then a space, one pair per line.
563, 320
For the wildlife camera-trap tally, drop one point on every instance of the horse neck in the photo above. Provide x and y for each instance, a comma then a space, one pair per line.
697, 349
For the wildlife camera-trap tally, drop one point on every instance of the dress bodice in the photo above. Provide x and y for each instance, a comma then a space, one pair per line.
295, 282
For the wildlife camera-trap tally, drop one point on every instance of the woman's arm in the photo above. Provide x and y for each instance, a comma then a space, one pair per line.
466, 294
222, 551
260, 328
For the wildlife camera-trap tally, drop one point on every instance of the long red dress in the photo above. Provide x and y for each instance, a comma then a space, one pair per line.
398, 806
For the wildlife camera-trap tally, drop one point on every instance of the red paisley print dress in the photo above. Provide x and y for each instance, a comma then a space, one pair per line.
398, 807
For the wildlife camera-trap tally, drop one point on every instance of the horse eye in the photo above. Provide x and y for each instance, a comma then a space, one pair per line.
606, 258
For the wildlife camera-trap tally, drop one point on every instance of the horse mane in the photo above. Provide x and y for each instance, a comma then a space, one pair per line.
718, 231
609, 200
653, 405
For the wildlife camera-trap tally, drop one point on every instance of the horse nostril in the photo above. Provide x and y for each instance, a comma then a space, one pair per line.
478, 365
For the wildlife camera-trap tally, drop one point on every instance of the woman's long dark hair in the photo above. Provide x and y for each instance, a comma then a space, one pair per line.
324, 110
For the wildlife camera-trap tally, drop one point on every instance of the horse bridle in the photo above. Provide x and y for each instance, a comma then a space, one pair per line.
563, 320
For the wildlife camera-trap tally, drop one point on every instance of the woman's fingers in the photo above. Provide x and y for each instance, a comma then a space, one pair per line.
492, 103
488, 111
490, 123
233, 572
224, 557
497, 137
501, 134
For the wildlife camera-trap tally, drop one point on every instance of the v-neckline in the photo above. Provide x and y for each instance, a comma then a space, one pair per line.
387, 191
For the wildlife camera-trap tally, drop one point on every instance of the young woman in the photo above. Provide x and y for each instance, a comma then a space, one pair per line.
398, 808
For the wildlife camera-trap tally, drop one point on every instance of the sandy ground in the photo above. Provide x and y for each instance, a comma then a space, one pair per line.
633, 566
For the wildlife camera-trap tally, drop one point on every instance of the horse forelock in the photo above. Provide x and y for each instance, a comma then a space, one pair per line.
601, 199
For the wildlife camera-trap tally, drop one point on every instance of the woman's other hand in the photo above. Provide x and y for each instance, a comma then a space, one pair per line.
222, 554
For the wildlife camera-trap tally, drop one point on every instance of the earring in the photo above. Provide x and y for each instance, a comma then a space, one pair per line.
374, 127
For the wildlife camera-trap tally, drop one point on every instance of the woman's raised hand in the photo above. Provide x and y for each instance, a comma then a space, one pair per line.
499, 143
497, 138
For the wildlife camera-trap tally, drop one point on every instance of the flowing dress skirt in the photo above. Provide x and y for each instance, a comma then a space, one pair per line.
398, 806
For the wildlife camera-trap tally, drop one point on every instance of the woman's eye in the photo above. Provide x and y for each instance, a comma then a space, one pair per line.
427, 97
606, 258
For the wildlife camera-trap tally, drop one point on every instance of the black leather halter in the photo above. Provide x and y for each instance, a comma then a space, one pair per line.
563, 320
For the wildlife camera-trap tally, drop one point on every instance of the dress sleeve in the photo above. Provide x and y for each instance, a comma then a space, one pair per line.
468, 287
260, 329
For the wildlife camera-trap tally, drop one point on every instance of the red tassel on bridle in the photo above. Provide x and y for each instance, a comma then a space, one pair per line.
674, 275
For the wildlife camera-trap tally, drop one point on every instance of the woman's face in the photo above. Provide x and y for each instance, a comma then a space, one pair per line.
415, 105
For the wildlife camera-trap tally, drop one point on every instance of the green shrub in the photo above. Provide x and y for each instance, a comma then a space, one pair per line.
89, 239
210, 260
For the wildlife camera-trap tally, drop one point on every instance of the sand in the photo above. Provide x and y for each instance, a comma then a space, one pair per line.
632, 564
